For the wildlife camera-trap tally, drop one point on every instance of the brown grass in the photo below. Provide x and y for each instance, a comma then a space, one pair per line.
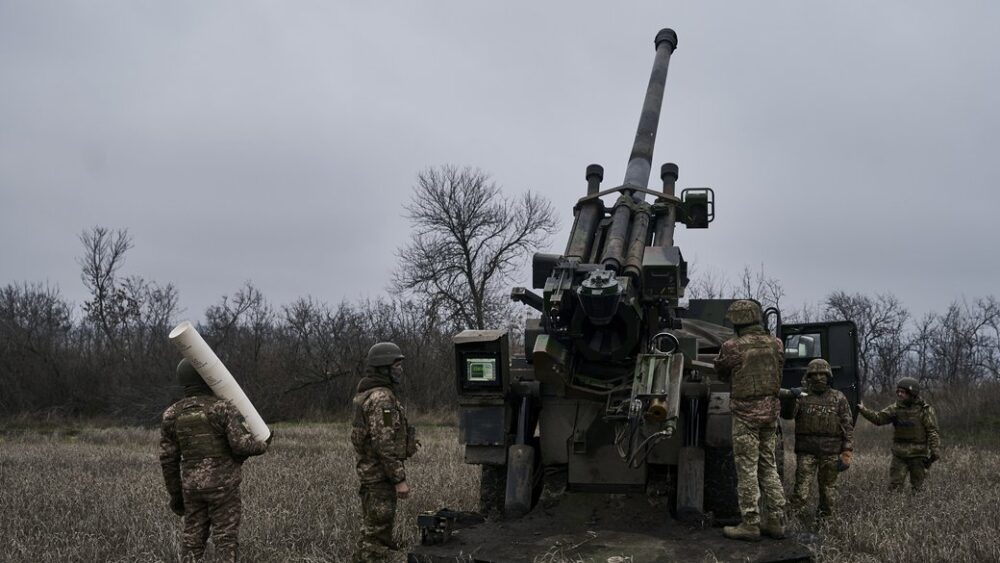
96, 494
953, 519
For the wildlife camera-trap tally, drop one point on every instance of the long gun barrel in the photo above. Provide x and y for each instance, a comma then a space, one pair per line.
640, 161
629, 230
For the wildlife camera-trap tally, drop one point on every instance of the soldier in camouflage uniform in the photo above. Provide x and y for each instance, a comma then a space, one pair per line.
824, 432
915, 440
752, 360
204, 441
382, 440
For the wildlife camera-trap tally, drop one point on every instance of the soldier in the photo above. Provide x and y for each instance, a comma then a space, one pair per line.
204, 441
753, 360
824, 433
915, 439
382, 441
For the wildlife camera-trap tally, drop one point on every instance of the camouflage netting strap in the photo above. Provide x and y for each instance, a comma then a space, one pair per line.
908, 426
196, 436
760, 375
818, 416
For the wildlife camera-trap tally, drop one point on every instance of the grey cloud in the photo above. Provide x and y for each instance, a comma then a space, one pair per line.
850, 145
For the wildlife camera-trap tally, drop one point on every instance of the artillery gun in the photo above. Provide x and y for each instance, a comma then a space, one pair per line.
613, 419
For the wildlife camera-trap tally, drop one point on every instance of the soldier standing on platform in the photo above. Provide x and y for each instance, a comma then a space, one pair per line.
752, 361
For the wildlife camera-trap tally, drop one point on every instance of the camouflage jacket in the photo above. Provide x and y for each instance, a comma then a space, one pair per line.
209, 456
381, 436
915, 428
752, 362
823, 424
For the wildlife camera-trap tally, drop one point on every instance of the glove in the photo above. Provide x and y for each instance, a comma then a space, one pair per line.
798, 392
931, 459
402, 489
177, 505
844, 462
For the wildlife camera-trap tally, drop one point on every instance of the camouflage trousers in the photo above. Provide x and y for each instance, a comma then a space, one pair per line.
378, 513
807, 467
216, 513
756, 472
903, 466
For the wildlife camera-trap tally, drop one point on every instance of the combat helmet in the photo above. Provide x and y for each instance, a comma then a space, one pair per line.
910, 385
819, 365
743, 312
384, 354
187, 376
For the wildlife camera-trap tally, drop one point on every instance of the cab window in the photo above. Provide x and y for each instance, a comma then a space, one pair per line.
808, 345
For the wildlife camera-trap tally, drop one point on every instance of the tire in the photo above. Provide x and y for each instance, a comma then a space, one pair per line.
721, 498
492, 490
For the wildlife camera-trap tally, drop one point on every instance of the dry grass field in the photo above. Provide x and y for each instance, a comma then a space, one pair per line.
95, 494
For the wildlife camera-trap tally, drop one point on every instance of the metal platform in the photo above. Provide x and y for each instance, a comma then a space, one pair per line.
602, 528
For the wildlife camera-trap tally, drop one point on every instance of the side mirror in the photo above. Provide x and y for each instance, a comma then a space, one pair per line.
697, 208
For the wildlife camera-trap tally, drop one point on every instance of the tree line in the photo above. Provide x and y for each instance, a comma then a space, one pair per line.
110, 356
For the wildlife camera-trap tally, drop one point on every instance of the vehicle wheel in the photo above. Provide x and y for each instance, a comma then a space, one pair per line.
721, 498
492, 490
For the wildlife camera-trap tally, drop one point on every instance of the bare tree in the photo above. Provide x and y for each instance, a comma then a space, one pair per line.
918, 363
103, 255
710, 284
324, 343
241, 329
890, 352
131, 313
468, 239
125, 359
806, 313
324, 350
759, 286
430, 372
35, 323
963, 344
247, 308
990, 307
881, 323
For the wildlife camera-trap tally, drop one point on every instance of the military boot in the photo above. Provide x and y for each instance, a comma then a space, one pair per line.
744, 532
774, 527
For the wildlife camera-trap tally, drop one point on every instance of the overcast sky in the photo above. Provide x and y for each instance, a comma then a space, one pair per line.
851, 145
